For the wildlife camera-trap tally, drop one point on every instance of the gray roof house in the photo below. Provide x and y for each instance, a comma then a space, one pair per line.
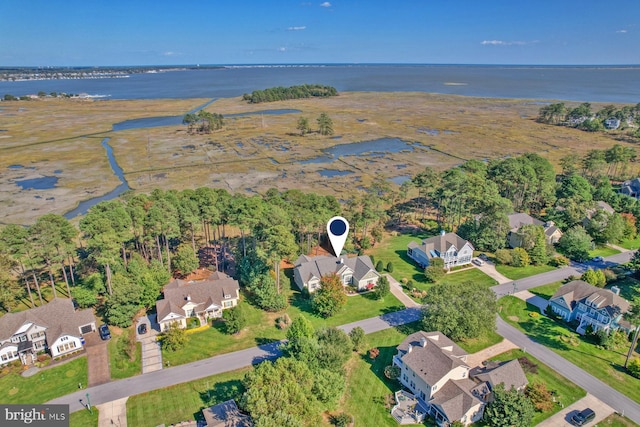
517, 220
355, 271
509, 373
612, 123
590, 305
434, 369
56, 327
453, 250
631, 188
226, 414
202, 299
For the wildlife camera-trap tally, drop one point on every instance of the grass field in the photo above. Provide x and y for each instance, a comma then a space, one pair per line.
120, 363
615, 420
631, 244
45, 385
516, 273
546, 291
603, 251
607, 365
84, 418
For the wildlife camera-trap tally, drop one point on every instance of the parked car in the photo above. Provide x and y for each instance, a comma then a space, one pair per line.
104, 332
583, 417
483, 257
598, 259
477, 261
142, 329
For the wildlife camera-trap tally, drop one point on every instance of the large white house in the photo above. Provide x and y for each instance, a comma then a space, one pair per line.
435, 370
356, 271
201, 299
56, 327
453, 250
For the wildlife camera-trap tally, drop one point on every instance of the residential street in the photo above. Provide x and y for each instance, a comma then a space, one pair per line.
231, 361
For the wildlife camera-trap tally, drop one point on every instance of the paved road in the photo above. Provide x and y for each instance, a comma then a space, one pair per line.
592, 385
214, 365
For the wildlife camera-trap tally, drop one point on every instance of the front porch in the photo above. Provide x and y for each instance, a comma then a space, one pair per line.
408, 409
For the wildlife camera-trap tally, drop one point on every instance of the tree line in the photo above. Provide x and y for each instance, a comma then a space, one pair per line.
281, 93
583, 117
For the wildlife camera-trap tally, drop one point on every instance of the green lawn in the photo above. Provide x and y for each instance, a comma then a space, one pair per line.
603, 251
473, 345
183, 402
515, 273
84, 418
615, 420
120, 363
603, 364
631, 244
394, 249
468, 275
45, 385
629, 287
546, 291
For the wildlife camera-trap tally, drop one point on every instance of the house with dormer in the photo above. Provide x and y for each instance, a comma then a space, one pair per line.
590, 306
358, 272
56, 328
631, 188
435, 370
201, 299
453, 250
517, 220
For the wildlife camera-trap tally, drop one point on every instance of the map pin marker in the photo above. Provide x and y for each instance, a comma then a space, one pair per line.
337, 229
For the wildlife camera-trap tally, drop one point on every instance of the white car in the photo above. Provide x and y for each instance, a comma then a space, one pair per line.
477, 261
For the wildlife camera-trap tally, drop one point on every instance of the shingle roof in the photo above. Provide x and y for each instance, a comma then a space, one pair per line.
518, 219
58, 316
509, 373
212, 290
432, 355
579, 291
226, 414
320, 266
455, 398
441, 243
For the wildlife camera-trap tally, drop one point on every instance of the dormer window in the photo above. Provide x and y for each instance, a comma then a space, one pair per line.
227, 296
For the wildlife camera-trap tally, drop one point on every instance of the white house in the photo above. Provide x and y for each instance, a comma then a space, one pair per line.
356, 271
56, 327
201, 299
453, 250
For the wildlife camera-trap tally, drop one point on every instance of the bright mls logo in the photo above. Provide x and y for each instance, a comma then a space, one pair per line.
34, 415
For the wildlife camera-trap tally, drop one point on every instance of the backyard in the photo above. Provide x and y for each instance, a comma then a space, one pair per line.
121, 364
607, 365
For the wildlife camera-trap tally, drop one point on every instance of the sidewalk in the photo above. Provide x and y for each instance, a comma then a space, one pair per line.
396, 290
113, 413
477, 358
532, 299
489, 269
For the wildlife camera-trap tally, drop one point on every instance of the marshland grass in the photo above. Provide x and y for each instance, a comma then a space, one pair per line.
254, 153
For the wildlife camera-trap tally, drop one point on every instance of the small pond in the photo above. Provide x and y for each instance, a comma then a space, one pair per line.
43, 183
330, 173
400, 179
374, 148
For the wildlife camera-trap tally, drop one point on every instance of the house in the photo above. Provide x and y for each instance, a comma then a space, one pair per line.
612, 123
435, 370
600, 206
517, 220
56, 327
355, 271
201, 299
589, 305
453, 250
631, 188
226, 414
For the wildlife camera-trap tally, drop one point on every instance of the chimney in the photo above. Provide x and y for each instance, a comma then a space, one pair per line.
442, 232
341, 261
409, 349
615, 290
423, 342
188, 297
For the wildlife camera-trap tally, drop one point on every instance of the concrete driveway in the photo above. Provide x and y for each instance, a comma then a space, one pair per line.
151, 352
563, 418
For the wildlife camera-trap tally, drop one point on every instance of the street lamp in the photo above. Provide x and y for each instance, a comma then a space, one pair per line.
515, 287
89, 404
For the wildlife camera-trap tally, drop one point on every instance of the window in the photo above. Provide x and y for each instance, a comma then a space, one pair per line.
434, 388
23, 338
227, 304
413, 385
405, 377
4, 358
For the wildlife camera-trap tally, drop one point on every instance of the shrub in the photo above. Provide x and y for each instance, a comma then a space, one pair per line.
540, 396
283, 321
559, 261
341, 420
520, 258
609, 275
373, 353
379, 266
504, 257
527, 365
357, 336
634, 368
392, 372
390, 267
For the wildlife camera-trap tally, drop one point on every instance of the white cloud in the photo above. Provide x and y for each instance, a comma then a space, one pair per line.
621, 31
170, 53
507, 43
325, 4
282, 49
297, 28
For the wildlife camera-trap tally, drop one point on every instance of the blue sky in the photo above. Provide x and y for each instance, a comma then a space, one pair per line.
164, 32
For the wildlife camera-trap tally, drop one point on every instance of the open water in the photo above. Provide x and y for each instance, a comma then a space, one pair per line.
617, 84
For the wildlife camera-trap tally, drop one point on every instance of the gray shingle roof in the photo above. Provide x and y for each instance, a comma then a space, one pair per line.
320, 266
58, 316
578, 291
455, 398
202, 292
509, 373
226, 414
441, 243
435, 359
517, 220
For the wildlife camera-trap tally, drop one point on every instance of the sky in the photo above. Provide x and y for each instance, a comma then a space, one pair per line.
174, 32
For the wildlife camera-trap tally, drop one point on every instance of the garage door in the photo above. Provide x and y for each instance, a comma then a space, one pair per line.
86, 329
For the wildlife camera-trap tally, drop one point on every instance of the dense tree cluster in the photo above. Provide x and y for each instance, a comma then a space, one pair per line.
293, 92
203, 122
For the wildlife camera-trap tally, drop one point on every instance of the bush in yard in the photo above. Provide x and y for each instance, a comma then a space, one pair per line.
175, 338
594, 277
235, 319
379, 266
560, 261
330, 298
527, 365
435, 271
520, 258
392, 372
504, 257
540, 396
374, 352
509, 408
609, 275
357, 338
341, 420
634, 368
382, 288
390, 267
